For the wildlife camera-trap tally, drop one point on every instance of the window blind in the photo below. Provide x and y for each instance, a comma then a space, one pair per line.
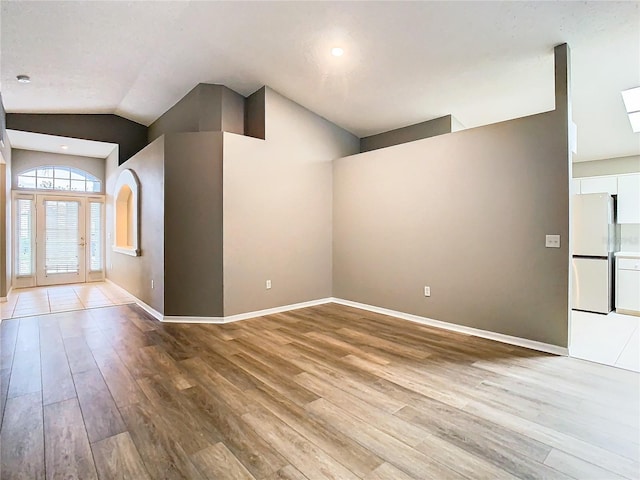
24, 209
61, 237
95, 236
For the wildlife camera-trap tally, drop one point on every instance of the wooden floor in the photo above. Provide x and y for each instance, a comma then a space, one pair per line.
323, 392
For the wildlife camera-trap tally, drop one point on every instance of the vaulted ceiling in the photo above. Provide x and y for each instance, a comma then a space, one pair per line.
404, 62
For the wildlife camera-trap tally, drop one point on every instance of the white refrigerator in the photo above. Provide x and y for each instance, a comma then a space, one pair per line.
593, 245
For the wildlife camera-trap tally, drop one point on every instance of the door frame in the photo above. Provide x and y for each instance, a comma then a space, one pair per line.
42, 277
35, 196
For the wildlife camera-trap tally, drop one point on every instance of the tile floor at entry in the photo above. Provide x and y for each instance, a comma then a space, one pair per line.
612, 339
25, 302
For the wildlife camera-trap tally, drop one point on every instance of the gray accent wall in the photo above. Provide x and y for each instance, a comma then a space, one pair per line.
180, 177
254, 121
3, 121
233, 105
277, 213
465, 213
130, 136
134, 274
27, 159
271, 219
193, 215
206, 108
411, 133
184, 116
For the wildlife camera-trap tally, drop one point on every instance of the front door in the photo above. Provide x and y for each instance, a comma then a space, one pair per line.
60, 240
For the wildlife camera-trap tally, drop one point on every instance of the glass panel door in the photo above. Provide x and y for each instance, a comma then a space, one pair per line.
61, 242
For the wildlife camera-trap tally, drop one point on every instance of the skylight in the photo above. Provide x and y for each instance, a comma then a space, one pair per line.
631, 100
634, 118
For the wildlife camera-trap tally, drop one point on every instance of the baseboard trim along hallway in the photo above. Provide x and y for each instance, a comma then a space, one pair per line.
476, 332
246, 316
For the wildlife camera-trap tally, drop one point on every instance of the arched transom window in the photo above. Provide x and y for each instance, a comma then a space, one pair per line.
59, 178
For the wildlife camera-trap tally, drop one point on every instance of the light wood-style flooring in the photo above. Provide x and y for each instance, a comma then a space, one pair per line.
322, 392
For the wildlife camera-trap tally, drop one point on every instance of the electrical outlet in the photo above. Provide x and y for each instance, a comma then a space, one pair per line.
427, 291
268, 284
552, 241
152, 284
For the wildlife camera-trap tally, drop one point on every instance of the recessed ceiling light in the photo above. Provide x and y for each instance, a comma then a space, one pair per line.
631, 99
23, 79
337, 51
64, 147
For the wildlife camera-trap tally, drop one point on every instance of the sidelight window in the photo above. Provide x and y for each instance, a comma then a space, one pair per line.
25, 220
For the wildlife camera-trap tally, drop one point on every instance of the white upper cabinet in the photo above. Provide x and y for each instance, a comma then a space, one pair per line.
599, 185
629, 198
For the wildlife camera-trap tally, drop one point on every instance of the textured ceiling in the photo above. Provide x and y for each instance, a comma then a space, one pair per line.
404, 63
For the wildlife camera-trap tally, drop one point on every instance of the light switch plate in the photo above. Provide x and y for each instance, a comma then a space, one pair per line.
552, 241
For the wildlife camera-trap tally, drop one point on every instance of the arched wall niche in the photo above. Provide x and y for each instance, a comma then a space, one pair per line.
127, 210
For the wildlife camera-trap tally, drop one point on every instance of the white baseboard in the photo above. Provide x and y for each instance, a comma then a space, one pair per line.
218, 320
245, 316
5, 299
185, 319
271, 311
499, 337
147, 308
